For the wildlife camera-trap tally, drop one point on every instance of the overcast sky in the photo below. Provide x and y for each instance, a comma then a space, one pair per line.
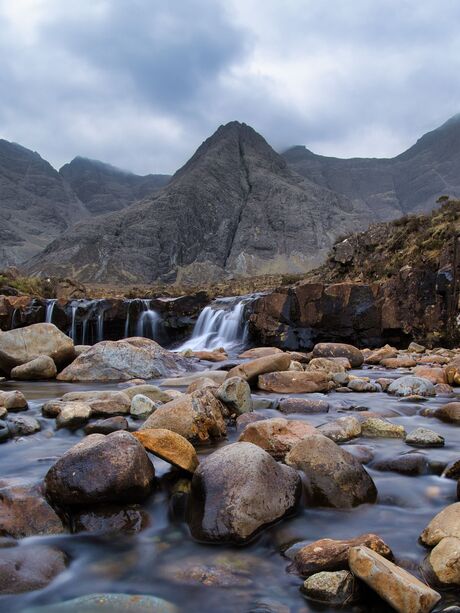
141, 83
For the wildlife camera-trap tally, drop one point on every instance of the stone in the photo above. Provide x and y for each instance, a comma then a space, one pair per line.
384, 353
235, 393
331, 366
106, 426
452, 470
73, 415
296, 366
268, 364
24, 510
406, 464
102, 403
169, 446
218, 355
342, 429
293, 382
384, 383
303, 405
142, 406
362, 453
259, 352
331, 555
339, 350
23, 569
23, 425
433, 359
109, 519
277, 436
115, 603
335, 477
435, 375
416, 348
410, 385
445, 561
423, 437
375, 427
200, 383
399, 362
23, 345
52, 408
449, 413
218, 376
198, 417
13, 401
123, 360
335, 588
151, 391
99, 469
248, 418
5, 433
445, 524
41, 367
360, 385
444, 389
237, 490
401, 590
79, 349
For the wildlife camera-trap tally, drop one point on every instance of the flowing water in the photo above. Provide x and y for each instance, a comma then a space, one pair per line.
252, 578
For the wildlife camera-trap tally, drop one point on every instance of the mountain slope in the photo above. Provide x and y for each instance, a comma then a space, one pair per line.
104, 188
36, 204
410, 182
235, 208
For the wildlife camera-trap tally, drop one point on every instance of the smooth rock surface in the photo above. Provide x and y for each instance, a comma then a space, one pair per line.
41, 367
169, 446
277, 436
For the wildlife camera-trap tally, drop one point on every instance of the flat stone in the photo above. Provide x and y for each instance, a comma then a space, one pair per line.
115, 603
169, 446
102, 403
294, 382
339, 350
303, 405
269, 364
374, 427
423, 437
23, 569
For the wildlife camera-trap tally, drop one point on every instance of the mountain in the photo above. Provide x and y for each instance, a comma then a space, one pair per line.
409, 183
235, 208
36, 204
103, 188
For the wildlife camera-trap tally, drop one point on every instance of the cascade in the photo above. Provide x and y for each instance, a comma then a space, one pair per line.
49, 310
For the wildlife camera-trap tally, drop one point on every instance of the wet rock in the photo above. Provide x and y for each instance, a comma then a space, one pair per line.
384, 353
24, 511
342, 429
449, 413
384, 383
302, 405
115, 603
269, 364
294, 382
259, 352
452, 470
341, 379
416, 348
248, 418
361, 385
107, 519
42, 367
399, 362
237, 490
23, 425
423, 437
235, 393
218, 355
13, 401
362, 453
410, 385
23, 569
102, 403
435, 375
23, 345
405, 464
339, 350
124, 360
444, 389
335, 588
396, 586
277, 436
446, 523
445, 561
334, 477
331, 366
73, 415
106, 426
169, 446
200, 383
151, 391
374, 427
331, 555
5, 433
52, 408
198, 417
142, 406
79, 349
99, 469
218, 376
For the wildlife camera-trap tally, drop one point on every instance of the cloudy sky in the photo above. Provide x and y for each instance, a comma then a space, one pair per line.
141, 83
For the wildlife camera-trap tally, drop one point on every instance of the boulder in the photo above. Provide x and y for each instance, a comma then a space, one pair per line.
123, 360
169, 446
452, 470
339, 350
336, 588
342, 429
445, 561
237, 490
198, 417
375, 427
435, 375
330, 554
384, 353
399, 362
102, 403
198, 384
294, 382
334, 477
330, 366
259, 352
218, 355
106, 426
251, 370
410, 385
406, 464
99, 469
218, 376
401, 590
23, 345
115, 603
423, 437
235, 393
416, 348
302, 405
361, 385
277, 436
23, 425
13, 401
449, 413
151, 391
23, 569
73, 415
42, 367
142, 406
445, 524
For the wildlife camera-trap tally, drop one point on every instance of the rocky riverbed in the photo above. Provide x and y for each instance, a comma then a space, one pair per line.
138, 479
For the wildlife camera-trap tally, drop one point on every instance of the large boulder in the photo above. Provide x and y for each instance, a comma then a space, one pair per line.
235, 393
237, 490
410, 385
112, 468
251, 370
339, 350
277, 436
13, 401
42, 367
294, 382
23, 569
23, 345
124, 360
334, 477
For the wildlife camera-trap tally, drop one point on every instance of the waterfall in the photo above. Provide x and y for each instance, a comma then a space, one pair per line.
127, 321
221, 324
149, 322
87, 316
73, 327
49, 310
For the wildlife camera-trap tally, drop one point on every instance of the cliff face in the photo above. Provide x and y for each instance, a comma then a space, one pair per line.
235, 208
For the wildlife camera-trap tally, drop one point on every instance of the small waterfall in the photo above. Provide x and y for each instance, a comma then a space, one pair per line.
87, 321
149, 322
127, 321
49, 310
73, 327
221, 324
